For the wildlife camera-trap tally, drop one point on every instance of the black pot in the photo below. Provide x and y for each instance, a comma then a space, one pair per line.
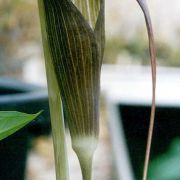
129, 94
135, 121
19, 96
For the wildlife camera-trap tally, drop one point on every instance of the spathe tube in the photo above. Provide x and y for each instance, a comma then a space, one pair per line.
76, 52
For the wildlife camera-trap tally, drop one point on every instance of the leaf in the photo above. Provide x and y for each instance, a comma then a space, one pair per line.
152, 51
12, 121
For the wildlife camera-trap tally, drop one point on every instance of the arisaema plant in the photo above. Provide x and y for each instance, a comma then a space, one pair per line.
73, 38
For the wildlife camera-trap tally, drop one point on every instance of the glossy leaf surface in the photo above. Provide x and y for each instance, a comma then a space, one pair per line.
12, 121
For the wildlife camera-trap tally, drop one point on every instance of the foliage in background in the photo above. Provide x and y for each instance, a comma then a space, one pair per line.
135, 51
167, 162
19, 26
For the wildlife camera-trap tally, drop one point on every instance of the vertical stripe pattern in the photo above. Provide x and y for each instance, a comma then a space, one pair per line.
89, 9
76, 57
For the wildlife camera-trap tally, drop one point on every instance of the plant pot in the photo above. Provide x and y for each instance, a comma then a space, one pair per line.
19, 96
128, 94
135, 122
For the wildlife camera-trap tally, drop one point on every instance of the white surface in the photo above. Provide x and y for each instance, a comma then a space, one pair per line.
120, 152
126, 17
134, 85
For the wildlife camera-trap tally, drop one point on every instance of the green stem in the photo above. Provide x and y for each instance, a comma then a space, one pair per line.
86, 167
58, 129
84, 149
56, 110
86, 164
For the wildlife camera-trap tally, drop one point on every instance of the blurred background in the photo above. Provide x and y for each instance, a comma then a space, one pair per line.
21, 58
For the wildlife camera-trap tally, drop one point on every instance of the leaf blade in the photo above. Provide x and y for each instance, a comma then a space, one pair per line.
12, 121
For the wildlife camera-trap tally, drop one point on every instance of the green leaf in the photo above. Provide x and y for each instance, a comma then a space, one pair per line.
12, 121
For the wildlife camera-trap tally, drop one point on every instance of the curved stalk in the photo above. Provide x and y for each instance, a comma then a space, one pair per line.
152, 51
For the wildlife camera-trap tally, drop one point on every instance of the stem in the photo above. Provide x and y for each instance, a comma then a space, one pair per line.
58, 128
86, 166
84, 149
56, 110
152, 52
